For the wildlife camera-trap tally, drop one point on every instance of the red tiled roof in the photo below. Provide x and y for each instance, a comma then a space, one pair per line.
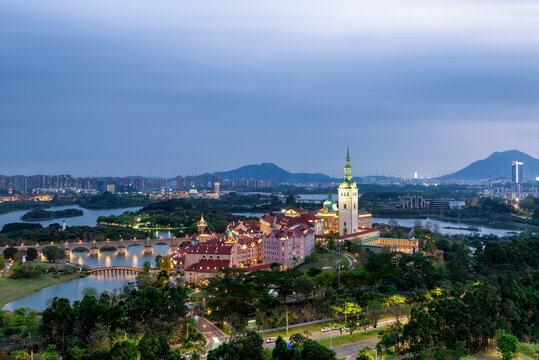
208, 265
211, 248
256, 267
362, 232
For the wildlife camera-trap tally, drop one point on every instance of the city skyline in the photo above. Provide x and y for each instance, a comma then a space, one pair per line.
186, 89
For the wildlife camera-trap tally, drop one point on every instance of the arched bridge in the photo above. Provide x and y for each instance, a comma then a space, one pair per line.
95, 246
115, 270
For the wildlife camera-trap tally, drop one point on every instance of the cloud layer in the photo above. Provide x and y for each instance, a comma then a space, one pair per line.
179, 87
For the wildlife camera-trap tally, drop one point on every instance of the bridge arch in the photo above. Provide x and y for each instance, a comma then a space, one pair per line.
107, 247
79, 248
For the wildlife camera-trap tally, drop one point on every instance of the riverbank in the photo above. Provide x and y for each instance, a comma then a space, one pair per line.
13, 289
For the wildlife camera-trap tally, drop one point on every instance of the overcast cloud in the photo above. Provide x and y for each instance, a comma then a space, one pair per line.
177, 87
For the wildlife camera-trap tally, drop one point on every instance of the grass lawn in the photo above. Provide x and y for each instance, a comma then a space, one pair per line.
492, 354
199, 295
346, 339
325, 260
299, 329
13, 289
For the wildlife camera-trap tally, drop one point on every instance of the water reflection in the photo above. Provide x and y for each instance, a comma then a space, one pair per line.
133, 257
441, 226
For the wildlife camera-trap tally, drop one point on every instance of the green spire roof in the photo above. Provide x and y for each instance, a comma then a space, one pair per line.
347, 167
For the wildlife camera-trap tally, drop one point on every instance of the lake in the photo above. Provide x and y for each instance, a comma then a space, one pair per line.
89, 217
72, 290
484, 230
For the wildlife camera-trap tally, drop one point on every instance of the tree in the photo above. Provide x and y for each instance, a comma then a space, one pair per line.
507, 346
393, 302
53, 254
74, 353
282, 352
149, 346
297, 339
166, 264
350, 327
89, 291
374, 312
2, 263
158, 261
31, 254
147, 267
247, 347
57, 323
123, 350
10, 252
290, 202
366, 354
312, 350
364, 323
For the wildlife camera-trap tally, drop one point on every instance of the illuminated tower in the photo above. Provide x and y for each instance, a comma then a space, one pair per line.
517, 176
201, 224
348, 201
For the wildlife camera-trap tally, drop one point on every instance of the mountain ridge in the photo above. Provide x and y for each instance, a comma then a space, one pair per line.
496, 166
271, 171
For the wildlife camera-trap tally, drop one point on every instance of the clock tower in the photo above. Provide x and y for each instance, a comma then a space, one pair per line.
348, 201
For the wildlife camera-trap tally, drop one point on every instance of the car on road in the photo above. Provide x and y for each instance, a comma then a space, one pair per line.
271, 340
326, 329
336, 328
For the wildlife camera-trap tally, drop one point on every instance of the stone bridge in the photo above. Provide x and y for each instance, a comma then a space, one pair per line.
96, 246
115, 270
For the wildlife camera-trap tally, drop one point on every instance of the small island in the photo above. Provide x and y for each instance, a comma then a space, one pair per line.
39, 215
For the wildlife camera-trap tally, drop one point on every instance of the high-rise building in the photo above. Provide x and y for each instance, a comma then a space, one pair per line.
179, 182
217, 188
517, 177
348, 201
517, 172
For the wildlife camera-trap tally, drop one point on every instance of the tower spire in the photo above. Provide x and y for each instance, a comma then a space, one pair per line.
347, 166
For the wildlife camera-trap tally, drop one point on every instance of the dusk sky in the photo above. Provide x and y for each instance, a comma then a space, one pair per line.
163, 88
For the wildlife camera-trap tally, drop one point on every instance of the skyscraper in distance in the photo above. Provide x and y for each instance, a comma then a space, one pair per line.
517, 172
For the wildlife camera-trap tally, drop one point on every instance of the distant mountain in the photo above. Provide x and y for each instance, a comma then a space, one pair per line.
496, 166
270, 171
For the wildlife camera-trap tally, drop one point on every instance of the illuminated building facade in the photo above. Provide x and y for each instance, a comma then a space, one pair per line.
348, 201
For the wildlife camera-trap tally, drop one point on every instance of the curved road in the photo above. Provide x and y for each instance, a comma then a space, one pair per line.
352, 260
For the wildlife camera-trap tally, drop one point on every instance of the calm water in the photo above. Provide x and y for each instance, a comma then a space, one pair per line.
248, 214
484, 230
89, 218
320, 197
134, 257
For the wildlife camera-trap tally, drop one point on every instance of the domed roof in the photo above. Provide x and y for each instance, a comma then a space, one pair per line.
330, 204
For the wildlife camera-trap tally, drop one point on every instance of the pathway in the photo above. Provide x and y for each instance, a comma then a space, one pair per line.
212, 333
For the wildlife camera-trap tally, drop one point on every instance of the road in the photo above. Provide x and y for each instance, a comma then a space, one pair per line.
349, 351
213, 334
353, 261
